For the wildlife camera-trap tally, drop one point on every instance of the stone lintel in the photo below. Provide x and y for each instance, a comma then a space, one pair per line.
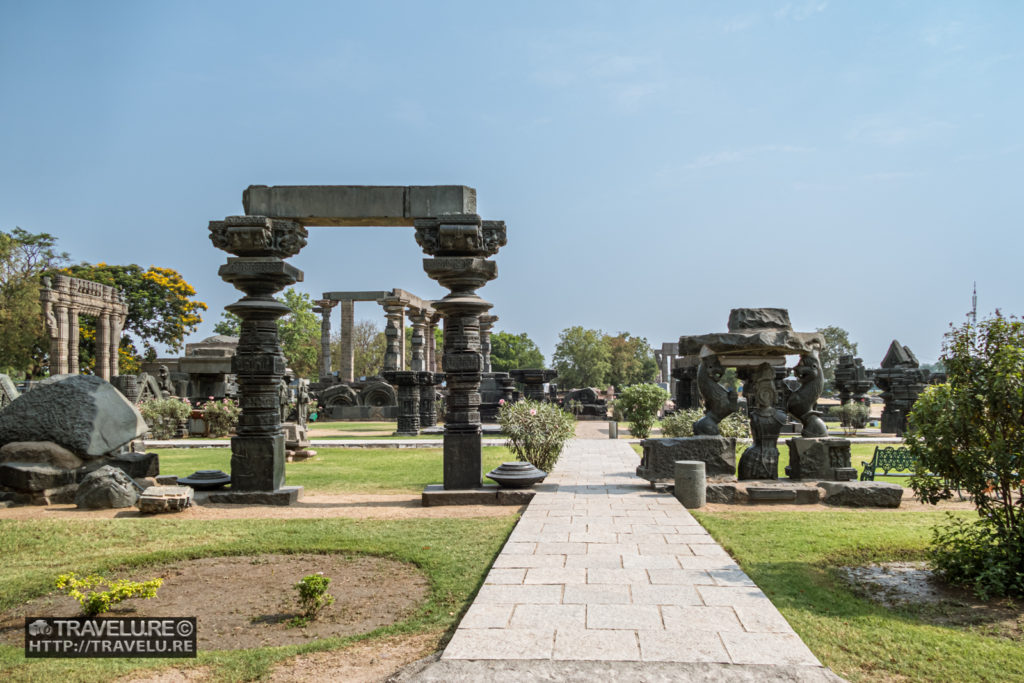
358, 205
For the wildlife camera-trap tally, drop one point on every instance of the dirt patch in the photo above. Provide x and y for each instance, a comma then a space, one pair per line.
245, 602
912, 586
317, 506
361, 662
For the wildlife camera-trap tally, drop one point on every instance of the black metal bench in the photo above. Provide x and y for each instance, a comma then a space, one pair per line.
889, 461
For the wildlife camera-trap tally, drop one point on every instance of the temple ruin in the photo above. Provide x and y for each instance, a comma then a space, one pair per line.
64, 299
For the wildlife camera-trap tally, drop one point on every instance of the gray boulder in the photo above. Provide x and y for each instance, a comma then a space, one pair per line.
862, 494
40, 453
107, 487
83, 413
32, 478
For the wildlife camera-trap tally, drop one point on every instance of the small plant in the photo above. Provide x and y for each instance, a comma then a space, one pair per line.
640, 405
221, 416
313, 597
536, 431
86, 590
681, 424
163, 415
852, 416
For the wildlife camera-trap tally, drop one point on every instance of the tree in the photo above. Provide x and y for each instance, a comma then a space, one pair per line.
161, 309
368, 345
631, 360
230, 325
581, 358
514, 351
24, 258
299, 333
640, 404
837, 343
969, 432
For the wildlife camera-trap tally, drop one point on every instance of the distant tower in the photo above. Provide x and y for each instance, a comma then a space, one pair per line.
972, 317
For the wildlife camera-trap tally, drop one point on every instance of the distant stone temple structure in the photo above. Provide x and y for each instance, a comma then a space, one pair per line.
66, 298
204, 370
901, 380
456, 240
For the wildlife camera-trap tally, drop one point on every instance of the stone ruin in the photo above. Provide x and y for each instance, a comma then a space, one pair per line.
585, 404
64, 300
756, 344
457, 242
853, 382
901, 380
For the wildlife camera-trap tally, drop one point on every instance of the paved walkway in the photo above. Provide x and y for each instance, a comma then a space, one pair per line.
601, 568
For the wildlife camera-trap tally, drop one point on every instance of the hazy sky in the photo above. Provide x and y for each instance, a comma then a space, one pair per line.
657, 163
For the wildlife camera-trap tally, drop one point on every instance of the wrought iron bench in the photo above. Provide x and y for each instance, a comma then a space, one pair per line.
889, 461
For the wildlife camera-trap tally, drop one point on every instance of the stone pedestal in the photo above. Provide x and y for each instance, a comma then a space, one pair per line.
410, 388
823, 459
259, 271
657, 465
460, 245
690, 483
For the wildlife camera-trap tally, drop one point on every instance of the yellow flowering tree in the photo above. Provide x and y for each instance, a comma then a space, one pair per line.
161, 309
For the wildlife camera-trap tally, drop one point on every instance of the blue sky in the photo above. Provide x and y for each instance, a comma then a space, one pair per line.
657, 164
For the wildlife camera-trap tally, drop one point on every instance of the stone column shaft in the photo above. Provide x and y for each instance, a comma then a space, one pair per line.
486, 324
73, 341
419, 324
394, 334
103, 346
116, 326
59, 343
347, 362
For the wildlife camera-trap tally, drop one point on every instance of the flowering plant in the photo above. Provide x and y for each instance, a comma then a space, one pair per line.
163, 415
221, 416
536, 431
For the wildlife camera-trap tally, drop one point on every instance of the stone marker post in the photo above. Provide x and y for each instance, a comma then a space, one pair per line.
459, 246
259, 244
691, 483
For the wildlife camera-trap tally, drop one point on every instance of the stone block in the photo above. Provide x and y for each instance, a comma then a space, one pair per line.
488, 494
354, 205
257, 463
690, 483
40, 453
137, 465
83, 413
107, 487
862, 494
286, 495
27, 477
158, 499
462, 461
718, 453
819, 459
54, 496
721, 493
167, 480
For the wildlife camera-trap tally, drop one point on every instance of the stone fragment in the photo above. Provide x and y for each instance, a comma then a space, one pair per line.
40, 453
30, 477
820, 459
157, 499
862, 493
83, 413
107, 487
718, 453
137, 465
721, 493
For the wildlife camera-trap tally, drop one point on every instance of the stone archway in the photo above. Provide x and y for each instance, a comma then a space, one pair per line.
66, 298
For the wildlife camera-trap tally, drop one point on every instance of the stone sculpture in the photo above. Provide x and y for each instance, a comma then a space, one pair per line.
719, 402
901, 380
802, 401
761, 460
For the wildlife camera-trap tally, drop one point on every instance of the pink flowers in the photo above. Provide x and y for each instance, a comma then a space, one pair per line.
501, 401
533, 411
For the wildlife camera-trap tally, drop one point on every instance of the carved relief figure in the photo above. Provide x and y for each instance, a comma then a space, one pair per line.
719, 403
164, 382
761, 460
801, 402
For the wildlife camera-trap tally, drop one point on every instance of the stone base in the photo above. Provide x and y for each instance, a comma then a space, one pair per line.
158, 499
858, 494
820, 459
787, 491
286, 495
488, 494
718, 453
296, 436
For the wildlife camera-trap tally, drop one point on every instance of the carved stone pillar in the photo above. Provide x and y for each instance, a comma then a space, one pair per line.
72, 341
324, 307
259, 271
460, 245
419, 341
408, 385
394, 333
486, 324
428, 399
116, 326
103, 346
432, 342
346, 369
59, 344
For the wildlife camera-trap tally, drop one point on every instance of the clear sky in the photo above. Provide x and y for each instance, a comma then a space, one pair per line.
657, 163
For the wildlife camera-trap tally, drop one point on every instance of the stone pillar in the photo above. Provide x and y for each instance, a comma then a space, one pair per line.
428, 399
394, 332
435, 317
73, 341
401, 340
346, 369
486, 323
59, 342
459, 246
324, 307
103, 346
259, 271
419, 341
116, 326
408, 385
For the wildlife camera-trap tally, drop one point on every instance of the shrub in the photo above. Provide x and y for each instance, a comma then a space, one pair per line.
221, 416
536, 431
313, 596
681, 424
852, 416
640, 405
163, 415
94, 601
968, 432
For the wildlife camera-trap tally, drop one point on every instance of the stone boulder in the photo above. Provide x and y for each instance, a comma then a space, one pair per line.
82, 413
107, 487
861, 494
27, 477
40, 453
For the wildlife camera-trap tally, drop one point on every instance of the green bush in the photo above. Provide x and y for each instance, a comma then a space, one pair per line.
163, 415
221, 416
536, 431
681, 424
852, 416
976, 554
94, 601
641, 404
313, 595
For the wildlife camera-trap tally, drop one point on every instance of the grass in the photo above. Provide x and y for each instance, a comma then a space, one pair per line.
453, 554
337, 470
354, 426
794, 556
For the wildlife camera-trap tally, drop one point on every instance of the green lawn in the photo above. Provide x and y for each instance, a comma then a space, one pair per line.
454, 554
354, 426
794, 556
337, 470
